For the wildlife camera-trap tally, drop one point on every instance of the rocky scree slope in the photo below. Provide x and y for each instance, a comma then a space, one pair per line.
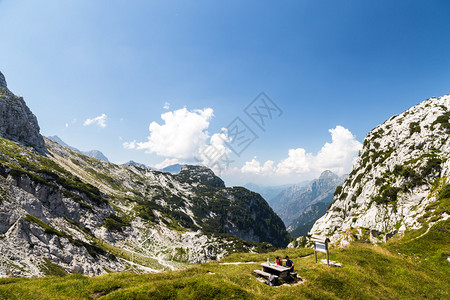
17, 122
398, 180
65, 212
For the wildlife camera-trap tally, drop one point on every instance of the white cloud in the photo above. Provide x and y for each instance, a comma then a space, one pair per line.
216, 150
130, 145
166, 105
183, 135
67, 125
255, 167
340, 153
100, 121
167, 162
298, 161
336, 156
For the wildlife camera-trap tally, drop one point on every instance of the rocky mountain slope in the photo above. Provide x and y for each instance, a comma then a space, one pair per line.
17, 122
62, 211
301, 206
92, 153
397, 179
303, 224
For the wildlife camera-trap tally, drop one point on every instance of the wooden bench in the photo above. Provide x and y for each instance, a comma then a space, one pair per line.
264, 274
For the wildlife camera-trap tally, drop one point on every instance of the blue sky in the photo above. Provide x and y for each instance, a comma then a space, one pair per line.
344, 66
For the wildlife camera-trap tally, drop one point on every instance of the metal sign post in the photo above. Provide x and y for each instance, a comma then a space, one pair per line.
321, 245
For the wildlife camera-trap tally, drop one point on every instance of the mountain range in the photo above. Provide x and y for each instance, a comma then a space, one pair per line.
63, 211
92, 153
299, 206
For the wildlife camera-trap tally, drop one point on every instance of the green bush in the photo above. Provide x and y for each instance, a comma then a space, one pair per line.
445, 192
443, 120
414, 127
116, 223
338, 190
388, 194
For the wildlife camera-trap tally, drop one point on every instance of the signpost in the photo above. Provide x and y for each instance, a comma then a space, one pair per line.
321, 245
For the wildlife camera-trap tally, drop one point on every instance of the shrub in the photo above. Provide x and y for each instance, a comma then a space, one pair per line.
359, 191
338, 190
443, 120
379, 181
414, 127
387, 194
445, 192
115, 223
433, 165
357, 179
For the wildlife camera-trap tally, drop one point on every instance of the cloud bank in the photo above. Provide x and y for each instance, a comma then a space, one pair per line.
337, 156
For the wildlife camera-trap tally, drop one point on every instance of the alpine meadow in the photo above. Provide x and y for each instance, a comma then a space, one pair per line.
224, 150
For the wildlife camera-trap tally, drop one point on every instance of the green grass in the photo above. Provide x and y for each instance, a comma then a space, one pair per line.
47, 228
414, 267
52, 269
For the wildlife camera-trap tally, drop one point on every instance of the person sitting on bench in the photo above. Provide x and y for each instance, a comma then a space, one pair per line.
289, 264
278, 261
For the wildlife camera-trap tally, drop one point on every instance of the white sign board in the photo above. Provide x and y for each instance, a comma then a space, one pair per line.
321, 247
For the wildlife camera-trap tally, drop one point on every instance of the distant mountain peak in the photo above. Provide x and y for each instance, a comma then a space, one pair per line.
173, 169
96, 154
92, 153
132, 163
58, 140
327, 174
200, 174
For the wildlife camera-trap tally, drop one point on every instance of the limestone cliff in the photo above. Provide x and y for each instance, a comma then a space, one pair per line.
395, 181
17, 122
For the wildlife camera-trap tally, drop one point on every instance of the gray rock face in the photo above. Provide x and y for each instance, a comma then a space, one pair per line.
17, 122
391, 184
200, 174
70, 212
2, 81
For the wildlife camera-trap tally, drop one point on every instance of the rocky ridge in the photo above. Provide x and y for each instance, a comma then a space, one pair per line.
64, 212
92, 153
2, 81
83, 215
17, 122
396, 180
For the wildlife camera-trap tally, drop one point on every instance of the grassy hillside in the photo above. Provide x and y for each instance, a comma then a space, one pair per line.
415, 267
